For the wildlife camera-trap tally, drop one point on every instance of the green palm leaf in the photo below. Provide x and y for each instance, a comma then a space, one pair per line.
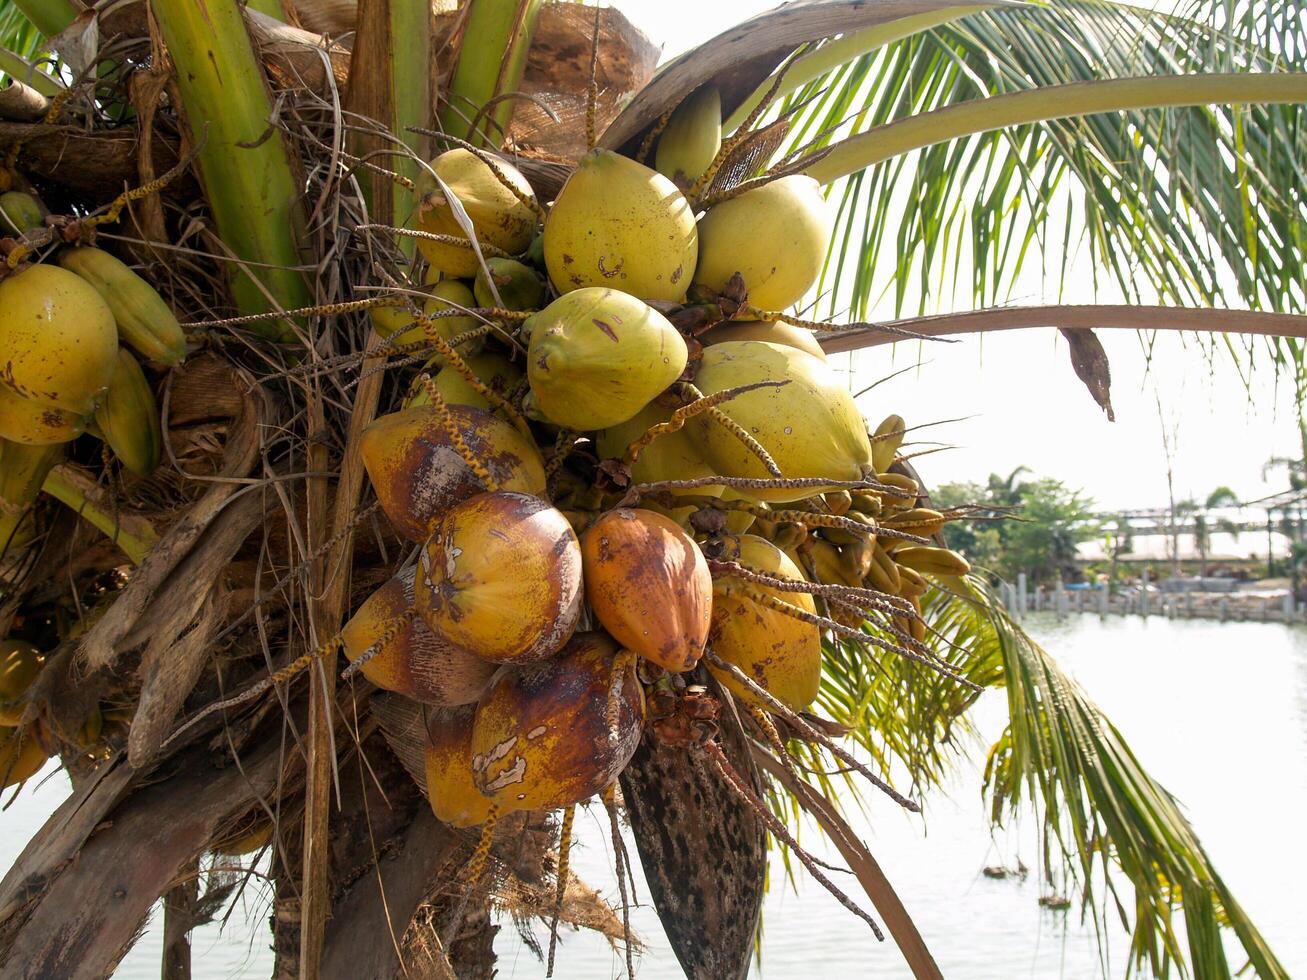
1189, 205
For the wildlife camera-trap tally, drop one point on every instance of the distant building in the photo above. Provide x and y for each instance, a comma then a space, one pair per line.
1147, 540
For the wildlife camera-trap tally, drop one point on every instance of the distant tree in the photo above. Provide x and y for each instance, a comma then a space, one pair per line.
1203, 522
1041, 521
1222, 497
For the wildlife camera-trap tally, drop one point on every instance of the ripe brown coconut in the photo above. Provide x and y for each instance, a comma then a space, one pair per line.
649, 586
552, 734
454, 797
416, 663
419, 475
778, 652
501, 578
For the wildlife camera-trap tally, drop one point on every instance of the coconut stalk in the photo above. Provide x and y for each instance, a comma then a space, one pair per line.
20, 71
391, 82
246, 171
965, 119
491, 60
71, 487
271, 8
50, 16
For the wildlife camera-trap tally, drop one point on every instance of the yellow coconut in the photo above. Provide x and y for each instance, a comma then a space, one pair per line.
617, 223
418, 475
809, 425
778, 652
17, 531
542, 738
501, 578
20, 662
416, 663
519, 287
771, 331
445, 295
649, 586
499, 217
58, 338
21, 756
23, 470
250, 837
597, 356
689, 142
775, 236
454, 797
492, 369
36, 424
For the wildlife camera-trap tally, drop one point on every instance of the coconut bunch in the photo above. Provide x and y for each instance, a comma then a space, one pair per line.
633, 483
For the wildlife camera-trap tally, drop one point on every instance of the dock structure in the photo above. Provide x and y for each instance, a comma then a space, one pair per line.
1251, 606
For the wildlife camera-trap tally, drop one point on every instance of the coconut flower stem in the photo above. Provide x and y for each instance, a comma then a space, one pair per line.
456, 437
446, 350
701, 404
798, 721
609, 797
476, 866
856, 597
857, 636
740, 433
815, 483
564, 852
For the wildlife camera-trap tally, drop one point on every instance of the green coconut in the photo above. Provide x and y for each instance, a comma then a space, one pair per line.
619, 224
597, 356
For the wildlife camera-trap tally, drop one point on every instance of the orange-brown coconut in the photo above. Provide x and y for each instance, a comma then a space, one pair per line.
776, 651
416, 663
419, 475
649, 586
454, 797
501, 578
541, 738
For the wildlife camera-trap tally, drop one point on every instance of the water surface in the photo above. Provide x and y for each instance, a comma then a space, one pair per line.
1217, 712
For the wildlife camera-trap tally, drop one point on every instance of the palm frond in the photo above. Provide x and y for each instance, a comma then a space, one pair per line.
1189, 205
903, 713
19, 36
1105, 817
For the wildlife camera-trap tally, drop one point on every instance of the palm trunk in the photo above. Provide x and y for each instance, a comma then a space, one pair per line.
491, 61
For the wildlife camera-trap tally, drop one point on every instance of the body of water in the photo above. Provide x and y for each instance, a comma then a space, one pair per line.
1217, 712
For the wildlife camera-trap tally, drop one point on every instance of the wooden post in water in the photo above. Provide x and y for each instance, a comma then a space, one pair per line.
1223, 609
1143, 595
1021, 594
1288, 606
1189, 603
1059, 600
1102, 603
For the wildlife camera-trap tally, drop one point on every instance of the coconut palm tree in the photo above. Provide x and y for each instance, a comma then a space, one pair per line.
974, 138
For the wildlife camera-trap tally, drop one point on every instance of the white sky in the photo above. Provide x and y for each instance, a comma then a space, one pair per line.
1030, 407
